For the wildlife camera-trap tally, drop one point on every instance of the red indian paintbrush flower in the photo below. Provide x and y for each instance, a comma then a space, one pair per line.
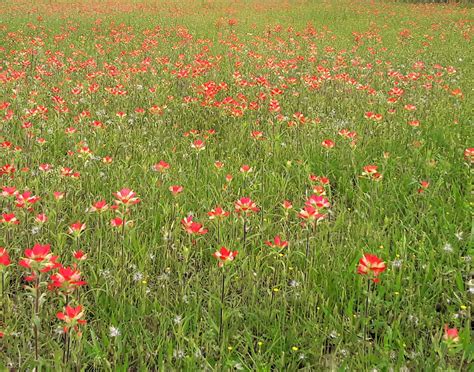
99, 207
9, 191
192, 227
245, 206
277, 243
311, 214
246, 169
217, 213
328, 144
72, 317
371, 265
9, 219
370, 171
469, 155
67, 279
161, 167
317, 201
39, 258
76, 228
126, 197
4, 258
198, 145
79, 255
26, 199
224, 256
450, 334
176, 189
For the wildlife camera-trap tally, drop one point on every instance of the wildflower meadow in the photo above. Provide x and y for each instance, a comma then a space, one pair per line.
218, 185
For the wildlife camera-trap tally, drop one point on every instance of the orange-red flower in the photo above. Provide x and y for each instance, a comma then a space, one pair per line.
67, 279
372, 266
72, 317
39, 258
451, 334
4, 258
192, 227
176, 190
217, 213
277, 242
126, 197
224, 256
245, 206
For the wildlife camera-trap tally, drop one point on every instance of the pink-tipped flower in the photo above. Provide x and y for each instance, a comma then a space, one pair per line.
41, 218
277, 243
72, 317
58, 195
469, 155
79, 255
99, 207
246, 169
451, 335
161, 167
9, 219
370, 171
287, 205
372, 266
198, 145
224, 256
176, 190
67, 279
126, 197
4, 258
217, 213
424, 186
328, 144
311, 215
318, 201
26, 199
76, 228
39, 258
9, 191
246, 206
192, 227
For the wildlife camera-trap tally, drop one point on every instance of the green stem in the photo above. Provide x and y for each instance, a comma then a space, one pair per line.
221, 318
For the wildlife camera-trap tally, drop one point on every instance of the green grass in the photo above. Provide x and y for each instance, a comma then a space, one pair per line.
283, 310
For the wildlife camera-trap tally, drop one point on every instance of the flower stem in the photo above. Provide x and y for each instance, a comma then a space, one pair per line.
36, 314
221, 318
366, 316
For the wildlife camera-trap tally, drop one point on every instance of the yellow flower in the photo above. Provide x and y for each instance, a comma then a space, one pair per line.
294, 348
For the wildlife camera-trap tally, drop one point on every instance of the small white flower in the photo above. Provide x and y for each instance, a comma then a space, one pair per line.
198, 353
177, 319
114, 332
178, 354
397, 263
294, 283
448, 248
105, 273
137, 276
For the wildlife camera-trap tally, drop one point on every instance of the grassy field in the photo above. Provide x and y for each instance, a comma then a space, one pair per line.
335, 136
